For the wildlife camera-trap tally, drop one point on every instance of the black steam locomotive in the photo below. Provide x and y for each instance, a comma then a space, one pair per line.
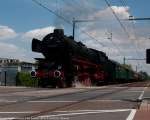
68, 62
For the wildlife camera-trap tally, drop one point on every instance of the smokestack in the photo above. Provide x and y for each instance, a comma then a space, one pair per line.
59, 32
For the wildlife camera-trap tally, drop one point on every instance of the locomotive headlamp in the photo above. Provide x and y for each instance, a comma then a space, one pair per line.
57, 73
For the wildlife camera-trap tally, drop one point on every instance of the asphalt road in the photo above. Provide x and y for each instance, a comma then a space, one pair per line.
100, 103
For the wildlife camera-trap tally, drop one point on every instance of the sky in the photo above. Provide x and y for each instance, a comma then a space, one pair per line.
23, 20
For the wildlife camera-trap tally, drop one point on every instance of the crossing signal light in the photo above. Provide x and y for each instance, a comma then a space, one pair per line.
148, 56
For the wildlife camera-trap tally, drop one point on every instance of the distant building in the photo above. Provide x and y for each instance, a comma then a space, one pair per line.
6, 61
9, 69
26, 67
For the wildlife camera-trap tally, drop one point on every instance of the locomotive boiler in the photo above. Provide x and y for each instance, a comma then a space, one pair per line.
68, 62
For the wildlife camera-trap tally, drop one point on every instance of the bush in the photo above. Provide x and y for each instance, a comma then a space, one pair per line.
25, 79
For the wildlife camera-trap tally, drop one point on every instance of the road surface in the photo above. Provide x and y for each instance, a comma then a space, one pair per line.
114, 102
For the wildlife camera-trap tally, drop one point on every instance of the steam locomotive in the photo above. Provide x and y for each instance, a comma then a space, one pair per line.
68, 62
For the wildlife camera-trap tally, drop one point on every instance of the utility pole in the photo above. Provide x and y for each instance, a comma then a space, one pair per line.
147, 53
124, 60
5, 78
74, 23
0, 78
136, 68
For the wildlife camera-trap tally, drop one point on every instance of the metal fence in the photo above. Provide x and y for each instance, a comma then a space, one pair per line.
8, 75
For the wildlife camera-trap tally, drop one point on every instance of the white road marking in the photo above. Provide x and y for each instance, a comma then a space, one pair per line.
8, 101
85, 113
104, 100
142, 94
5, 101
10, 118
22, 112
51, 101
134, 91
131, 115
74, 111
48, 101
118, 87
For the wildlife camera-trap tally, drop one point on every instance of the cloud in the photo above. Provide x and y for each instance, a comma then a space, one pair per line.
8, 48
7, 32
98, 30
15, 52
38, 33
108, 24
121, 11
11, 51
120, 45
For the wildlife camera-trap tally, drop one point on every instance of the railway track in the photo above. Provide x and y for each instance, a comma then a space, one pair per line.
58, 95
47, 97
121, 89
115, 89
35, 115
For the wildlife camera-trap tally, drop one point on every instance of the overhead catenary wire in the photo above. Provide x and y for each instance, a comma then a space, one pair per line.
123, 27
67, 21
121, 24
117, 18
111, 40
81, 21
59, 16
68, 3
123, 2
